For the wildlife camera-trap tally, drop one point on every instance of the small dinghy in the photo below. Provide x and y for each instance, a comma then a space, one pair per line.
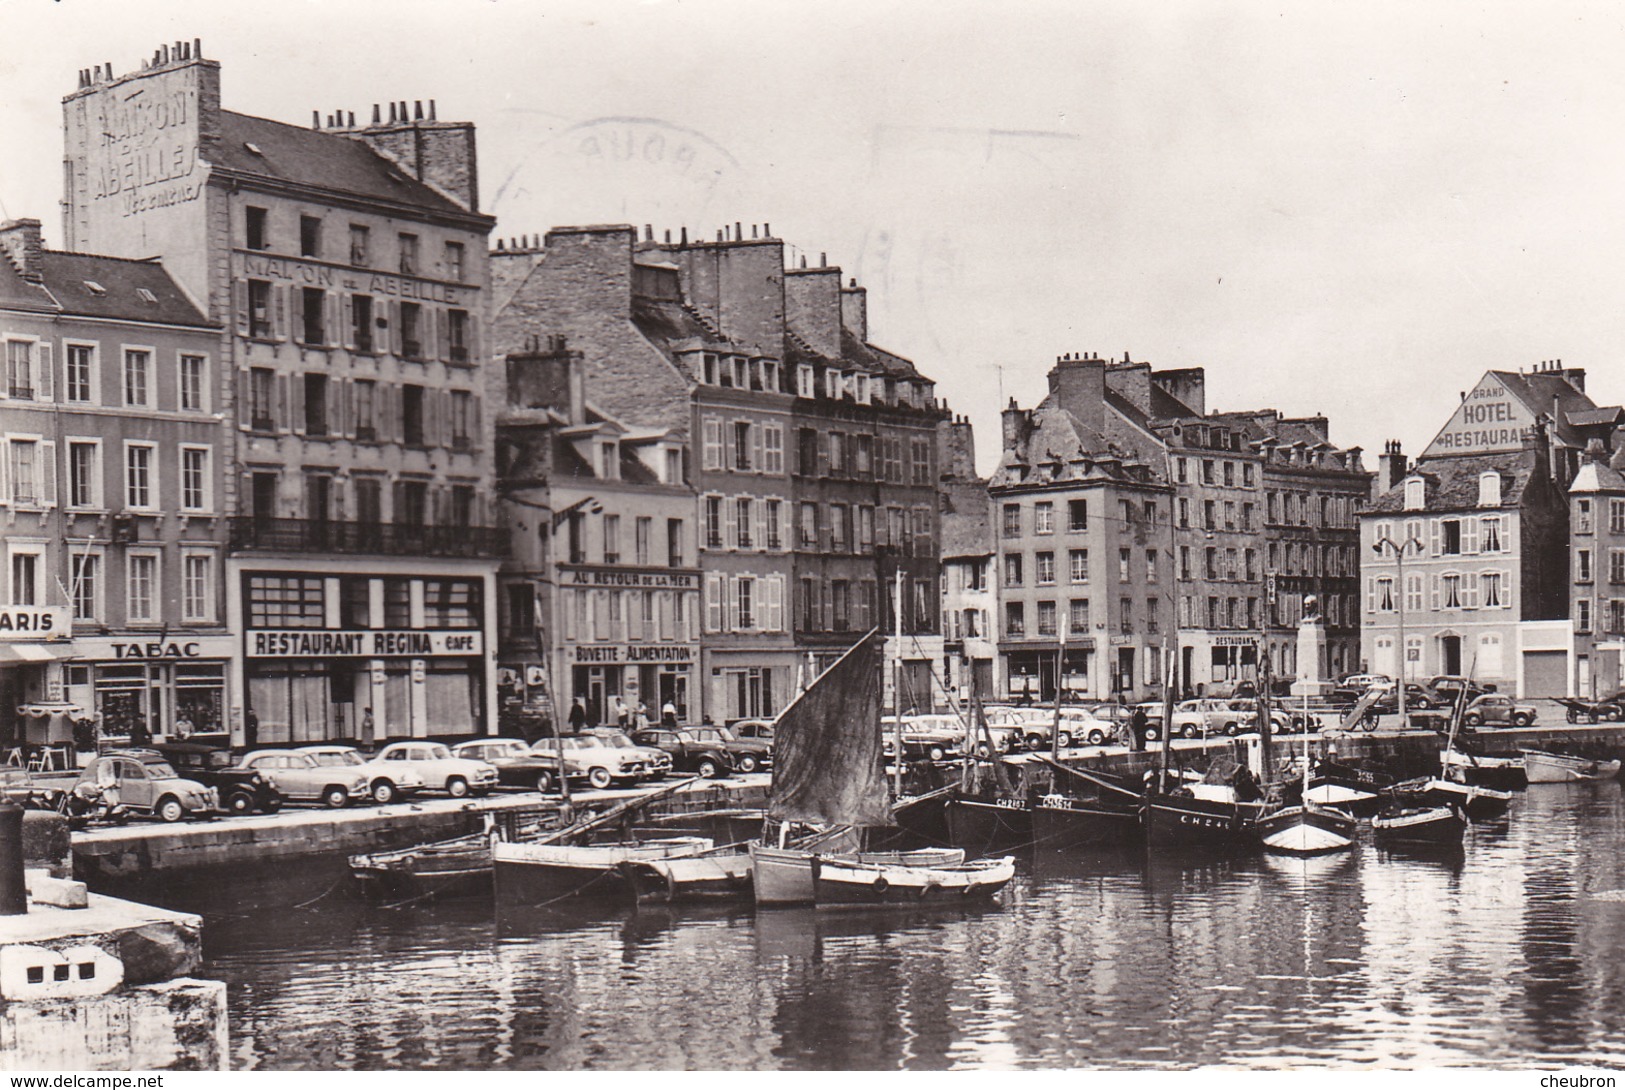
528, 874
1478, 803
1481, 769
1441, 826
841, 883
1543, 766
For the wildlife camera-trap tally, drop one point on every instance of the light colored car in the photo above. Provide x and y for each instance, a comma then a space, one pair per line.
1218, 717
594, 758
299, 778
926, 737
146, 784
440, 769
1087, 728
386, 783
1498, 709
660, 763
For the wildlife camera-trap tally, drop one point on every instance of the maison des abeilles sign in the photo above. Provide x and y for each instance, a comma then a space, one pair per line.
1490, 419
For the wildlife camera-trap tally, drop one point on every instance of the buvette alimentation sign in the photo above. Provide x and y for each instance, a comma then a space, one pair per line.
303, 643
1489, 420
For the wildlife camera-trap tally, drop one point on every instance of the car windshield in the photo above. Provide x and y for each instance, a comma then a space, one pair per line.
616, 738
335, 758
504, 749
160, 770
585, 741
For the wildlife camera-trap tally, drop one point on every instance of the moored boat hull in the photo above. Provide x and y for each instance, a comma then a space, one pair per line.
1481, 770
722, 877
784, 876
1306, 830
1440, 826
1172, 821
1544, 767
1353, 800
983, 825
534, 873
1063, 822
839, 884
1478, 803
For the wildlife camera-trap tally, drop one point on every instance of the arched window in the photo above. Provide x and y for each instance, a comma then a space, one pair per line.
1489, 489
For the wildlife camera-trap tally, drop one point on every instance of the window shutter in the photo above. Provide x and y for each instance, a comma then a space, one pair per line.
5, 471
1469, 591
244, 399
283, 417
239, 305
442, 334
1433, 592
775, 589
47, 471
475, 334
397, 500
730, 523
758, 453
730, 617
1435, 537
475, 424
713, 602
334, 305
1469, 535
295, 386
345, 333
279, 312
44, 371
343, 403
823, 459
395, 327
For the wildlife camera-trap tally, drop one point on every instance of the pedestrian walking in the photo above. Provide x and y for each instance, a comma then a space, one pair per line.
1136, 728
578, 716
668, 715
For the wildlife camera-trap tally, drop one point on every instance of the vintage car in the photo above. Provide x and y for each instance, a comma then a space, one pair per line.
1498, 710
298, 777
387, 783
688, 753
241, 790
759, 729
145, 783
925, 737
660, 762
1087, 728
748, 754
516, 762
599, 762
441, 771
1218, 717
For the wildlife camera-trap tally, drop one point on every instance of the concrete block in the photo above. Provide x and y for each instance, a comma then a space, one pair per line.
30, 973
43, 889
178, 1025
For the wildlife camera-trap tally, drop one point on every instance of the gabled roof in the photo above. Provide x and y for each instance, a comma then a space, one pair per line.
1598, 477
1538, 389
303, 156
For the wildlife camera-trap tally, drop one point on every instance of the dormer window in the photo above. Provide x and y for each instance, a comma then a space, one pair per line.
1489, 490
770, 375
741, 373
609, 461
832, 383
861, 388
709, 371
805, 381
1415, 494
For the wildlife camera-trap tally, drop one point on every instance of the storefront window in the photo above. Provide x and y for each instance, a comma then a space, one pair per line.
397, 603
451, 603
284, 602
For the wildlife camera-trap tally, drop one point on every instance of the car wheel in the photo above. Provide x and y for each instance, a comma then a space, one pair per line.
335, 798
935, 753
708, 769
1473, 719
457, 787
544, 782
1610, 712
383, 792
600, 778
170, 810
747, 762
1066, 739
239, 802
1097, 737
1522, 719
1035, 741
272, 803
1153, 734
984, 751
1231, 729
1189, 730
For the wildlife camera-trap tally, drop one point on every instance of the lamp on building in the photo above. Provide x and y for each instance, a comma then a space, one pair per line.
1380, 546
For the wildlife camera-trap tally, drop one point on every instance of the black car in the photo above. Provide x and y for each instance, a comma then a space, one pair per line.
241, 790
1417, 698
748, 754
688, 753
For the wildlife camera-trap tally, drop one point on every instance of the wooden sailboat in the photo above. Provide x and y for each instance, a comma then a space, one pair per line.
1309, 827
1544, 766
1465, 764
1438, 826
1098, 809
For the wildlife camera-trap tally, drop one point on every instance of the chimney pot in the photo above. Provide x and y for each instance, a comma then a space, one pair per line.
685, 236
431, 110
823, 260
767, 230
803, 261
753, 230
648, 233
668, 236
351, 115
315, 119
852, 283
500, 245
417, 109
197, 48
376, 118
739, 231
392, 113
403, 112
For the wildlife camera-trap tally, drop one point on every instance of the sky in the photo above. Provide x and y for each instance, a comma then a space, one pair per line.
1351, 210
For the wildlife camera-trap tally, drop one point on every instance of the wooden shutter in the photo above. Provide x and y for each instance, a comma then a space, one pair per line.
758, 527
47, 473
475, 435
1433, 591
775, 598
282, 416
442, 334
239, 305
345, 333
296, 403
245, 401
730, 617
45, 371
758, 453
730, 523
394, 326
1469, 535
279, 312
1435, 538
342, 402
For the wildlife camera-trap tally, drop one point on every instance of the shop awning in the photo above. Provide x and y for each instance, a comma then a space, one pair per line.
36, 652
46, 708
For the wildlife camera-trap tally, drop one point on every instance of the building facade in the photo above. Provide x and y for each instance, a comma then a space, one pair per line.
804, 442
1597, 572
346, 267
111, 496
969, 601
602, 592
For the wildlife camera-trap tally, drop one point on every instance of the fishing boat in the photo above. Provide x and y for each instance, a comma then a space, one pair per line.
841, 883
1544, 766
1466, 765
1441, 826
721, 874
456, 867
990, 822
532, 873
1478, 803
1308, 827
1069, 821
1355, 790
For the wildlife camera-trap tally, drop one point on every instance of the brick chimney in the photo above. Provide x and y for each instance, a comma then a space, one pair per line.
1015, 422
1079, 387
812, 301
1392, 468
20, 239
548, 375
855, 310
956, 449
441, 154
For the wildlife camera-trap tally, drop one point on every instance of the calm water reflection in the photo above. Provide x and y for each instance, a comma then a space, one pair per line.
1498, 955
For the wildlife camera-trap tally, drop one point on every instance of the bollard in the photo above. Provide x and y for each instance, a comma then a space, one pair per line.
13, 885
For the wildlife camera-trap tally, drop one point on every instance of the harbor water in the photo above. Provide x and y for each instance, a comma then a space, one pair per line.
1509, 953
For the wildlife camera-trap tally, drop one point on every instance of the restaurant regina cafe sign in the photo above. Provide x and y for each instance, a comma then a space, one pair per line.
316, 643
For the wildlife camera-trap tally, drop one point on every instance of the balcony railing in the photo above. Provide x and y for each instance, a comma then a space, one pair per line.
377, 538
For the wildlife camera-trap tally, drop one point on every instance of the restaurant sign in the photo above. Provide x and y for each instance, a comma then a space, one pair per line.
610, 577
34, 623
1489, 419
636, 654
381, 644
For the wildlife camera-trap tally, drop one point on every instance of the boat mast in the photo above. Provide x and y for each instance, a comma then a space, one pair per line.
1170, 673
1060, 684
897, 688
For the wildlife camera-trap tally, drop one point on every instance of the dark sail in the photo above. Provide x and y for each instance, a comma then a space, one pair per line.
826, 746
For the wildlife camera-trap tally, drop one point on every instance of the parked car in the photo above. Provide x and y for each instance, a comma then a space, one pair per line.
1218, 717
660, 762
759, 729
1418, 697
1446, 686
516, 762
1495, 708
747, 754
600, 762
241, 790
925, 738
298, 777
688, 753
1363, 682
1119, 716
456, 776
1189, 722
386, 783
147, 784
1086, 727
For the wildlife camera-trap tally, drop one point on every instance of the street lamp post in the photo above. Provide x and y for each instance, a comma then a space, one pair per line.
1382, 545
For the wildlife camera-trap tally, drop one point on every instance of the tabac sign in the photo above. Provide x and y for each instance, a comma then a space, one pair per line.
1489, 420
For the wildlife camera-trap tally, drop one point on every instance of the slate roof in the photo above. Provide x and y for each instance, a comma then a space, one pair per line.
1537, 389
1452, 483
66, 289
664, 322
1598, 477
304, 156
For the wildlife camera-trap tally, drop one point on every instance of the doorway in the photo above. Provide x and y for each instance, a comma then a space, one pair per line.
1450, 654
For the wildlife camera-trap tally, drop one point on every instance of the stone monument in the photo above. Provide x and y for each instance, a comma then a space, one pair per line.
1312, 681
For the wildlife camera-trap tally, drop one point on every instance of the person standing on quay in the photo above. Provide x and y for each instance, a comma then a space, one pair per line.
578, 716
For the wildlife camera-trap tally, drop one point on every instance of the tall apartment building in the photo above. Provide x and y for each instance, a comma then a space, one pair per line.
111, 451
1597, 570
1486, 587
601, 597
1084, 541
810, 450
969, 598
346, 267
